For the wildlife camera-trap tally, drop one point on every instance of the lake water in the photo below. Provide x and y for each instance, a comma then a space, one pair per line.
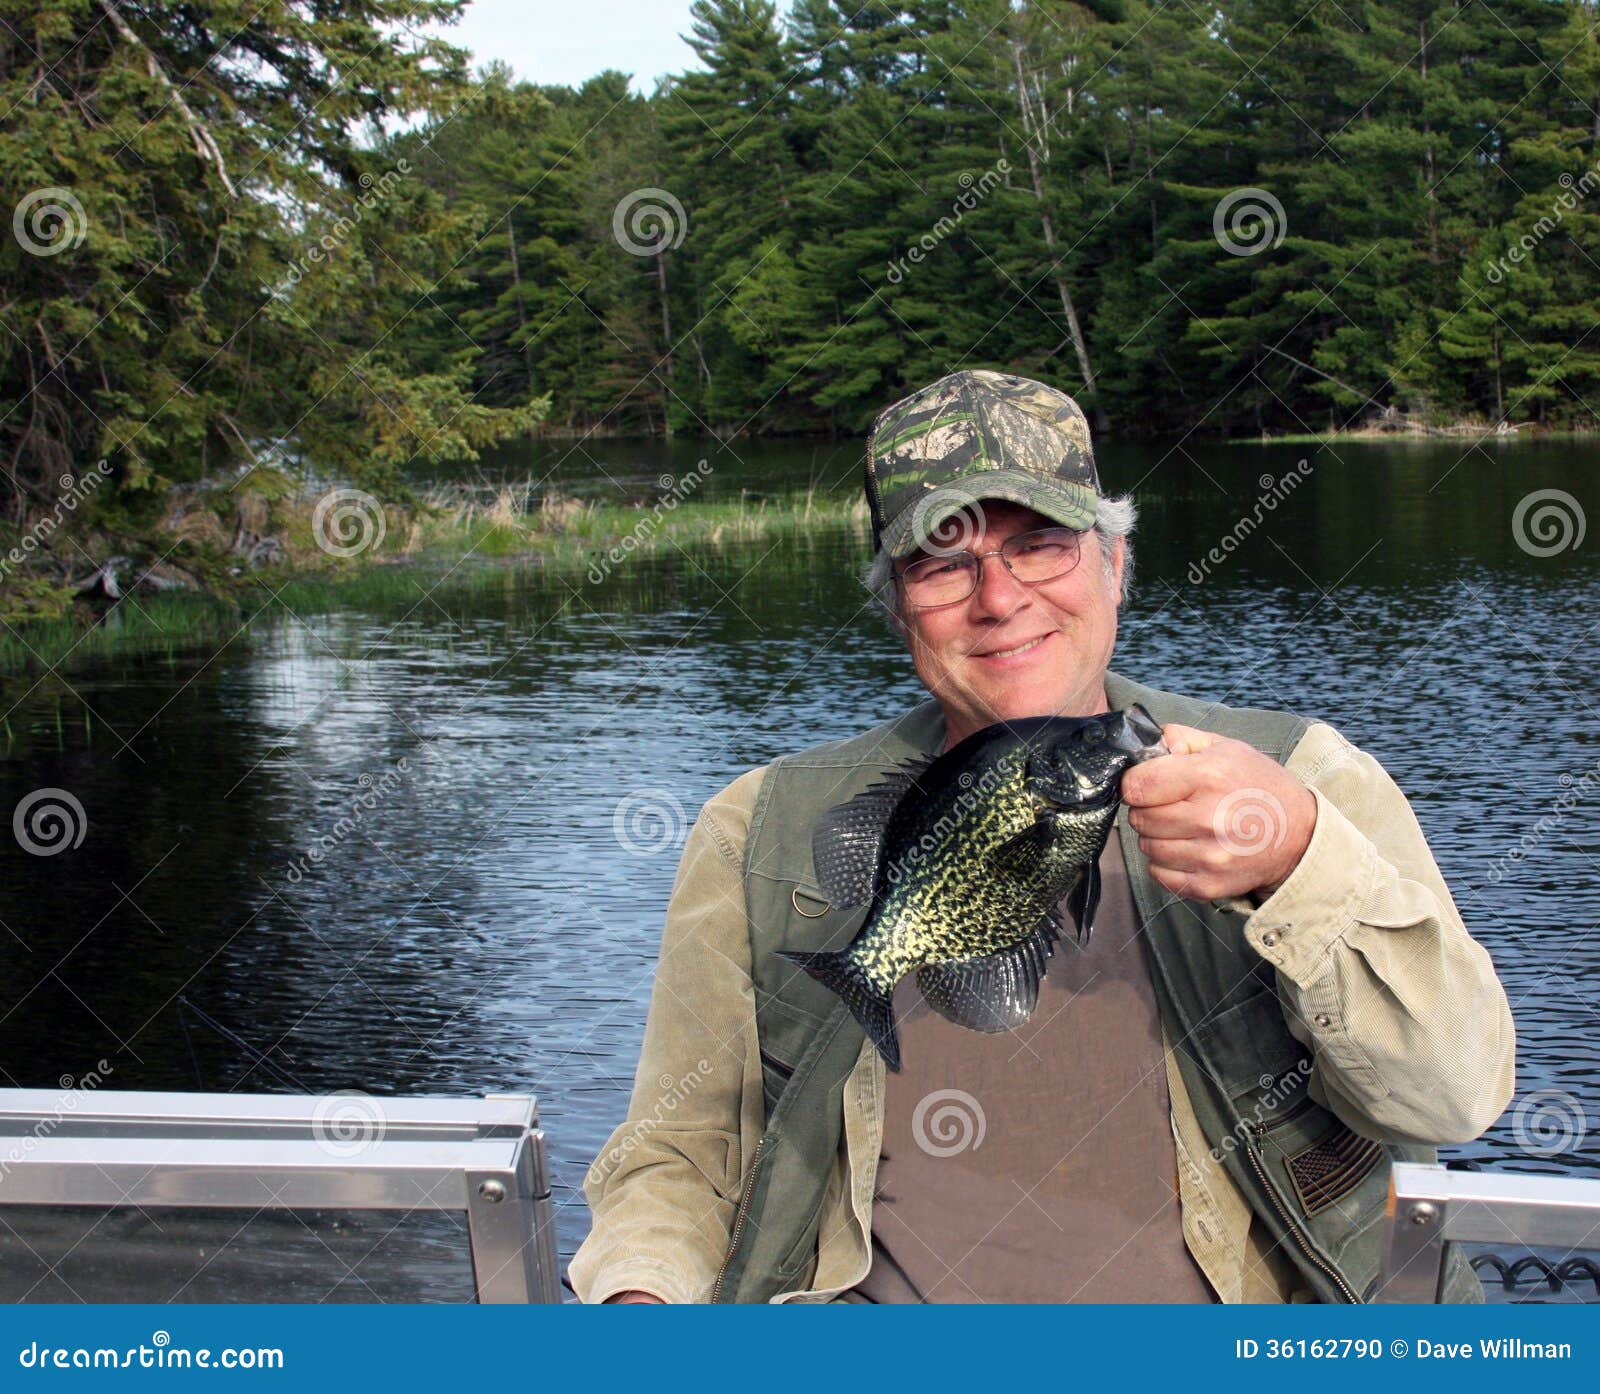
477, 925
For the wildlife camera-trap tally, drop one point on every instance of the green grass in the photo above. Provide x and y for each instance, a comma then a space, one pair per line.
169, 623
455, 543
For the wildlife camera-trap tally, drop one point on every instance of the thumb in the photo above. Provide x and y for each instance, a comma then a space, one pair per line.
1186, 740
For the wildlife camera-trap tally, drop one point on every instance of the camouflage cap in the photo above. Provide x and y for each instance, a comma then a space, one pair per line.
977, 435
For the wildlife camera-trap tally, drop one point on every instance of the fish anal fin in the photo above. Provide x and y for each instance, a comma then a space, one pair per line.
997, 992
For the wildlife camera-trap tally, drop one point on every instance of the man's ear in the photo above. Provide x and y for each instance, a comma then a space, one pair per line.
1116, 570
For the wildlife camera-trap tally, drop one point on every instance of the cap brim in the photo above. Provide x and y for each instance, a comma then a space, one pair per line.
1062, 501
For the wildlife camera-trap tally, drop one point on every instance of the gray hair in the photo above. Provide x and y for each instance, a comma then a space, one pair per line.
1114, 517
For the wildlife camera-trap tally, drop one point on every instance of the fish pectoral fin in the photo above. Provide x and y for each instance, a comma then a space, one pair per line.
847, 841
997, 992
1021, 858
1083, 900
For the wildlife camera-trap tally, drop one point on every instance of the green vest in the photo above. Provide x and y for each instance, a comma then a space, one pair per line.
1319, 1188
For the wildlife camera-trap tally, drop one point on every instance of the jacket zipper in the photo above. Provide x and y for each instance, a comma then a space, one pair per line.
738, 1220
1294, 1229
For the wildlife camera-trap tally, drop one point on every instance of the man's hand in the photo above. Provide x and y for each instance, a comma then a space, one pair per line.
1216, 817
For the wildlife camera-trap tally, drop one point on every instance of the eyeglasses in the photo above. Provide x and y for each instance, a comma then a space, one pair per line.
1031, 557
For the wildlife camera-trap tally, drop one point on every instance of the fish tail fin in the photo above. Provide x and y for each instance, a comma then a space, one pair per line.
841, 974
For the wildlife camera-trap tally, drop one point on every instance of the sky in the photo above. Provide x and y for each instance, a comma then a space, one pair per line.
567, 41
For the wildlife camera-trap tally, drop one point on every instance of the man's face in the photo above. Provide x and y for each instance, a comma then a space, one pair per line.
1010, 650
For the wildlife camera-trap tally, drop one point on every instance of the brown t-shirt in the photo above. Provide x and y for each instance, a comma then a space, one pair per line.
1036, 1165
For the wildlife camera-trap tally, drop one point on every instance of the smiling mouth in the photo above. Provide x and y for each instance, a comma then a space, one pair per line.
1012, 652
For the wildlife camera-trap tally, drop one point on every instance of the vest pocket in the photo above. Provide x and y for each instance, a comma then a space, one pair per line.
1250, 1053
774, 1079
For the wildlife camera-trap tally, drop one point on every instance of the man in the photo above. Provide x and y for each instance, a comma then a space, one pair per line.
1278, 998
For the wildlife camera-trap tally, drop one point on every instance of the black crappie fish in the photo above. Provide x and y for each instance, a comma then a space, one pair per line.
965, 861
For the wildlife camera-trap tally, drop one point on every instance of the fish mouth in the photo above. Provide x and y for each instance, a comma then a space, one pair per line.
1139, 736
1089, 803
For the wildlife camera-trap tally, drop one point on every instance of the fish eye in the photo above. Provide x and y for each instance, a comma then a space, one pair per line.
1094, 733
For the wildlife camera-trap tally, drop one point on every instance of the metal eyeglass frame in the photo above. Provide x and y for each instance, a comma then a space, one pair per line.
1000, 551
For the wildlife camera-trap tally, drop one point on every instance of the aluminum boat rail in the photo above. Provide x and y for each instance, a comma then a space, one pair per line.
481, 1158
1431, 1206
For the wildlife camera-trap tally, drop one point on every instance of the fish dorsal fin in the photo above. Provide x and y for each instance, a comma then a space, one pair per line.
997, 992
847, 841
1083, 900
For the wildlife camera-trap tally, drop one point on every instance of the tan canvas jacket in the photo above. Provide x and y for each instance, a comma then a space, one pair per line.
1411, 1033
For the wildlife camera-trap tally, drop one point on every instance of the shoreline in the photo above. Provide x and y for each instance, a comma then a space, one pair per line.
374, 554
1474, 431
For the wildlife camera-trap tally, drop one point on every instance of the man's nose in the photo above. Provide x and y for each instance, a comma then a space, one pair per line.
998, 592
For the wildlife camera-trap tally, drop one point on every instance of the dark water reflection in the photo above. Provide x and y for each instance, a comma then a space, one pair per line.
471, 920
